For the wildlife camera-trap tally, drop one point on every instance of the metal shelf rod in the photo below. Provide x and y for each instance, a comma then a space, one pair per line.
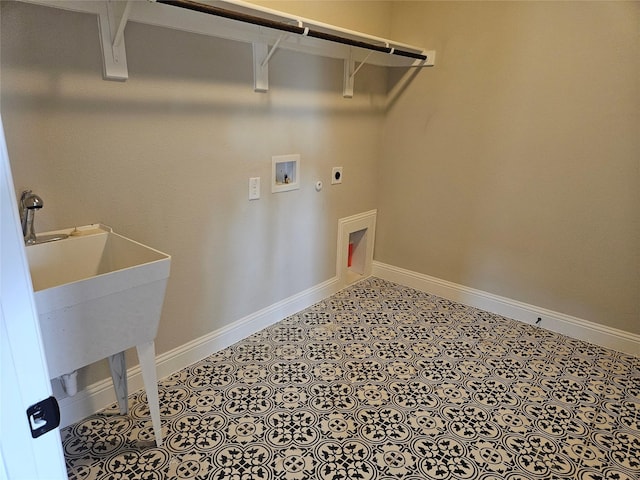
297, 29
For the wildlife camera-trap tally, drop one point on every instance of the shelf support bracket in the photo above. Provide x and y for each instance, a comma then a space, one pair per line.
350, 71
261, 56
273, 50
260, 67
347, 88
112, 20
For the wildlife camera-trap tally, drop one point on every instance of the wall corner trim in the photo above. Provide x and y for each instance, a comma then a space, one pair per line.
101, 394
568, 325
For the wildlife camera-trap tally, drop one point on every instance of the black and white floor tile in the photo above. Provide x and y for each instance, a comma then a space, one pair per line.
381, 382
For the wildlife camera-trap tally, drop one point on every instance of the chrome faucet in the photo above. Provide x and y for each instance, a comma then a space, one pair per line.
29, 203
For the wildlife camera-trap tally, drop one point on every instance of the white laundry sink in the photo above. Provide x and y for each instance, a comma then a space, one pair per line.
97, 294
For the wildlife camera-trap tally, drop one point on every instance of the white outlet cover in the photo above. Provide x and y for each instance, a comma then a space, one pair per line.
336, 175
254, 188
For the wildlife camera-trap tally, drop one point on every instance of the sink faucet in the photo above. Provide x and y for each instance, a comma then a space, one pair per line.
29, 203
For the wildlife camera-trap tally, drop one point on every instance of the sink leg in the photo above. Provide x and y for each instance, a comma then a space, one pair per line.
147, 357
118, 366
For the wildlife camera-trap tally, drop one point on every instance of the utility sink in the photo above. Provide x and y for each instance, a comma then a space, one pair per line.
98, 294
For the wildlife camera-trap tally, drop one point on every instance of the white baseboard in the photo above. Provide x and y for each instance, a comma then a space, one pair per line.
101, 394
573, 327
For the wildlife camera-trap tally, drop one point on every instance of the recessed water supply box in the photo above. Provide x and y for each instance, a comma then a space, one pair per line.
285, 173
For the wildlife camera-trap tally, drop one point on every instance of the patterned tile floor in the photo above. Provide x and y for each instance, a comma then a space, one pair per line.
381, 382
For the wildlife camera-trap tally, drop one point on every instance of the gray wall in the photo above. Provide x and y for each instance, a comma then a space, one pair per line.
165, 157
513, 166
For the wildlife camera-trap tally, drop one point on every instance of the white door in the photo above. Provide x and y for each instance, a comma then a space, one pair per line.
24, 375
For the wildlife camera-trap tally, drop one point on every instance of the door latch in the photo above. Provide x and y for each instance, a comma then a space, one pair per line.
43, 416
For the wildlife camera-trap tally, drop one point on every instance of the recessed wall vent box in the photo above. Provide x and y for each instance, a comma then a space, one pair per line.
285, 173
356, 238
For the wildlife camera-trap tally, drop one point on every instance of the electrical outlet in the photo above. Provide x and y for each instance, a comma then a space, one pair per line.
254, 188
336, 175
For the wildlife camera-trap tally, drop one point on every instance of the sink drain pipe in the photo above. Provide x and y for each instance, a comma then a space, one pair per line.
70, 383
